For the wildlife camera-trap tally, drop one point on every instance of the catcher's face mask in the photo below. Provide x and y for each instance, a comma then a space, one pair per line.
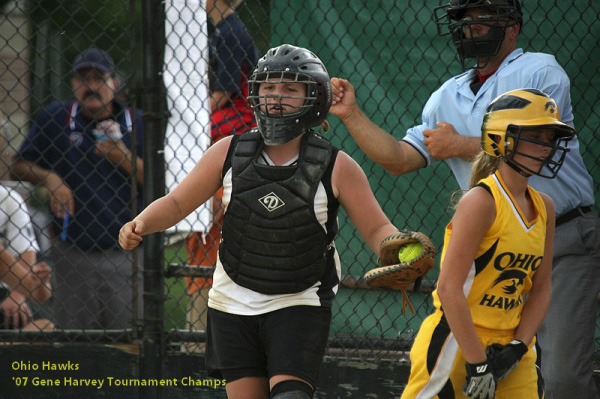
281, 66
282, 97
459, 17
519, 118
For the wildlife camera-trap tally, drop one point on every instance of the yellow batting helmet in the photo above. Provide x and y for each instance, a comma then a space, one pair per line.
525, 109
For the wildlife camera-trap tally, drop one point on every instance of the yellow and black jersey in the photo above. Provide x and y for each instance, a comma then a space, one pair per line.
507, 258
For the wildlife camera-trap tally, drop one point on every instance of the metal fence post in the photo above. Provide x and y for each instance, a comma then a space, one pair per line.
153, 17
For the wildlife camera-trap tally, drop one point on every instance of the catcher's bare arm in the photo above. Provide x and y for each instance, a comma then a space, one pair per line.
351, 188
197, 187
397, 157
474, 215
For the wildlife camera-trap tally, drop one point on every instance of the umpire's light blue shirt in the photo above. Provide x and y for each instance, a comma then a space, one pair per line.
455, 103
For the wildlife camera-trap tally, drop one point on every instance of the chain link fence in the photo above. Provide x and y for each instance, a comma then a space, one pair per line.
389, 50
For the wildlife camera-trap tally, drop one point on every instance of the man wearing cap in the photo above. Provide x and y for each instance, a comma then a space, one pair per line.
82, 153
485, 35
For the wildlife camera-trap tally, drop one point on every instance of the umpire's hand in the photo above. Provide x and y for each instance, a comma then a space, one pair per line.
343, 99
130, 235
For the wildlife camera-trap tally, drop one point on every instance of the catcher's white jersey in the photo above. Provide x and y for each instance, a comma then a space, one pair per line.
509, 255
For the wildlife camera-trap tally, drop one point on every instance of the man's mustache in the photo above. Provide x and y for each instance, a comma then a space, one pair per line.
92, 93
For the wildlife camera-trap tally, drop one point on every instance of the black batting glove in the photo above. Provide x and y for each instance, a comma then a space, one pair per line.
504, 358
481, 383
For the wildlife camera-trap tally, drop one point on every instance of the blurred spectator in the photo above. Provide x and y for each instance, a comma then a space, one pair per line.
232, 57
81, 152
21, 277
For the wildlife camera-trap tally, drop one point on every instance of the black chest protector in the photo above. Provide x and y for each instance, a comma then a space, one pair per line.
272, 240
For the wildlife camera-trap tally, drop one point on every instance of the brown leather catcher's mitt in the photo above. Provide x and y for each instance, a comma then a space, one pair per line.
405, 257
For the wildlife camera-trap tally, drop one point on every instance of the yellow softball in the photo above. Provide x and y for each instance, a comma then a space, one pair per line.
408, 252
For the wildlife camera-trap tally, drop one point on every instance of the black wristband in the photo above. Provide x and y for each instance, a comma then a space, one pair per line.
519, 347
478, 369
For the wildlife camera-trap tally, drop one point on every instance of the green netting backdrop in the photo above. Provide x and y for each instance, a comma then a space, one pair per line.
391, 53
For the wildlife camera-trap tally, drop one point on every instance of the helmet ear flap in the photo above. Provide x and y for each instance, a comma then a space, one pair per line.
491, 143
496, 149
511, 139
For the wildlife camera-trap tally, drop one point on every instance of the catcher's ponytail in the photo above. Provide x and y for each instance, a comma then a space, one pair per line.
483, 166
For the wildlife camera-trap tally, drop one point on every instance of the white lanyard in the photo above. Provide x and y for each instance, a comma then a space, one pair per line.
75, 108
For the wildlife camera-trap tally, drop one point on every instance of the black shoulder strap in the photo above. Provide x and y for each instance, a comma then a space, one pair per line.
246, 148
244, 140
227, 163
485, 187
318, 154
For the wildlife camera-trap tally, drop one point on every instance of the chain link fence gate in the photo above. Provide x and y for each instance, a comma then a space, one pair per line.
389, 50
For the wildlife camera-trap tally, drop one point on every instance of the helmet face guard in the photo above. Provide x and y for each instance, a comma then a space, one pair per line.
498, 15
283, 65
551, 164
279, 127
512, 114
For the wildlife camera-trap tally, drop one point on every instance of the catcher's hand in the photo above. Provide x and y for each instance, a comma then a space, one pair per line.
504, 358
396, 275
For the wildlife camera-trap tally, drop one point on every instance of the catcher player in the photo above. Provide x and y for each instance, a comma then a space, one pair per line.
494, 286
277, 272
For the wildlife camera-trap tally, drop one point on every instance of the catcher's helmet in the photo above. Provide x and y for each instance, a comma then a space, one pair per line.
295, 65
450, 19
525, 110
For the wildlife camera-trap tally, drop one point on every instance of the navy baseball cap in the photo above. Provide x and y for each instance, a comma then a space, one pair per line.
94, 58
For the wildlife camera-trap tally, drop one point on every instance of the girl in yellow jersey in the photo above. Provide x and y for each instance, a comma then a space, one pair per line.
494, 286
